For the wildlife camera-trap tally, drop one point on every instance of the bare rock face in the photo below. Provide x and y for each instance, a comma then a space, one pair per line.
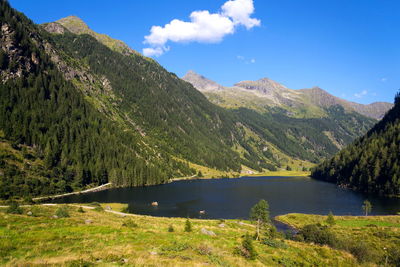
201, 83
54, 27
14, 56
264, 86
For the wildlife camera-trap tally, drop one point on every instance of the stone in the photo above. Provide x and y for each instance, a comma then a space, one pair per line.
108, 208
154, 203
55, 216
29, 213
221, 225
88, 221
153, 253
207, 232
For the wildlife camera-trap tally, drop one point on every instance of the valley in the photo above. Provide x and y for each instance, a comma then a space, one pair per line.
109, 158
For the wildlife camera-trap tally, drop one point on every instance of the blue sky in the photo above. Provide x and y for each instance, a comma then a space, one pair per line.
351, 48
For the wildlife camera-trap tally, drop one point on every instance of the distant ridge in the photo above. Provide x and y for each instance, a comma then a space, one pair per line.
278, 95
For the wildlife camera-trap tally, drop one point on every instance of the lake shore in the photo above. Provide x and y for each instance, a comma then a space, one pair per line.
90, 190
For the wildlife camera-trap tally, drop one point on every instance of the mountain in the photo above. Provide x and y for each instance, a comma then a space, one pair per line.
201, 82
77, 26
286, 119
86, 114
371, 163
268, 93
79, 109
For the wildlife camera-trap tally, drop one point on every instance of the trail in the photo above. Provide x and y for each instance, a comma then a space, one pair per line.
95, 189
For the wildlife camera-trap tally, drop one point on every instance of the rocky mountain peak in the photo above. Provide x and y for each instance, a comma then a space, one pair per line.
76, 25
264, 86
200, 82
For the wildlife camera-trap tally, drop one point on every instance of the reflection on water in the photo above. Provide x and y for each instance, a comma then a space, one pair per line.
233, 198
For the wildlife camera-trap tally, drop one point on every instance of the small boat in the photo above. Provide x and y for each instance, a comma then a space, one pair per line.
202, 212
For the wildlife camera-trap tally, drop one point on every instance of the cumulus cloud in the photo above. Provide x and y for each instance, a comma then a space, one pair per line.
203, 27
361, 94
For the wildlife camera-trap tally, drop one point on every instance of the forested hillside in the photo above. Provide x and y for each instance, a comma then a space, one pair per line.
78, 109
76, 144
371, 163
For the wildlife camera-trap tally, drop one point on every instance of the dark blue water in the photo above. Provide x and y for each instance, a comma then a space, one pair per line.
233, 198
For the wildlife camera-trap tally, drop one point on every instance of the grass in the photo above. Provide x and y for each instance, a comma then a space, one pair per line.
379, 234
104, 238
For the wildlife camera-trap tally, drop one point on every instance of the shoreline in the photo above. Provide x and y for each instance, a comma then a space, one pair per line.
193, 177
90, 190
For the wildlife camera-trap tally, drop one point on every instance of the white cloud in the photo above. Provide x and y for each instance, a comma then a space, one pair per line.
383, 79
361, 94
245, 60
158, 51
203, 27
240, 11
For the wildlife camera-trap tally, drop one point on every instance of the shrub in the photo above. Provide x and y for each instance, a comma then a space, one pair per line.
62, 212
393, 255
247, 249
318, 234
81, 210
14, 208
99, 208
171, 228
330, 220
188, 226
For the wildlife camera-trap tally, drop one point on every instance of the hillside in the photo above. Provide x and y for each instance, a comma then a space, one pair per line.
371, 163
91, 110
135, 240
286, 119
45, 112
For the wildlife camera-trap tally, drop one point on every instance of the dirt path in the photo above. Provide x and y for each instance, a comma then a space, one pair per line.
95, 189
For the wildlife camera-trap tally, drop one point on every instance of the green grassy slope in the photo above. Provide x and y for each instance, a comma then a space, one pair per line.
103, 238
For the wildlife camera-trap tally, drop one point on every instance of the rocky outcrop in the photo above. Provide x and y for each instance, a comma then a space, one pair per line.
201, 83
15, 62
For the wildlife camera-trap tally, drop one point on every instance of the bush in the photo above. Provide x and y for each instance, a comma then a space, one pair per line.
330, 220
188, 226
272, 232
171, 228
81, 210
247, 249
99, 208
318, 234
14, 208
62, 212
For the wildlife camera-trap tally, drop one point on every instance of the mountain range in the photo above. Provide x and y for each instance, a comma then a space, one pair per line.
78, 109
266, 93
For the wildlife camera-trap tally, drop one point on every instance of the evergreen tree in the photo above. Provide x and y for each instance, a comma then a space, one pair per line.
260, 214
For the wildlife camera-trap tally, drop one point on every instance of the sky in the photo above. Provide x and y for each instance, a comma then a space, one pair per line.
350, 48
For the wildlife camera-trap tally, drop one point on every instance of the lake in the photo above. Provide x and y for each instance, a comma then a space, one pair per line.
233, 198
